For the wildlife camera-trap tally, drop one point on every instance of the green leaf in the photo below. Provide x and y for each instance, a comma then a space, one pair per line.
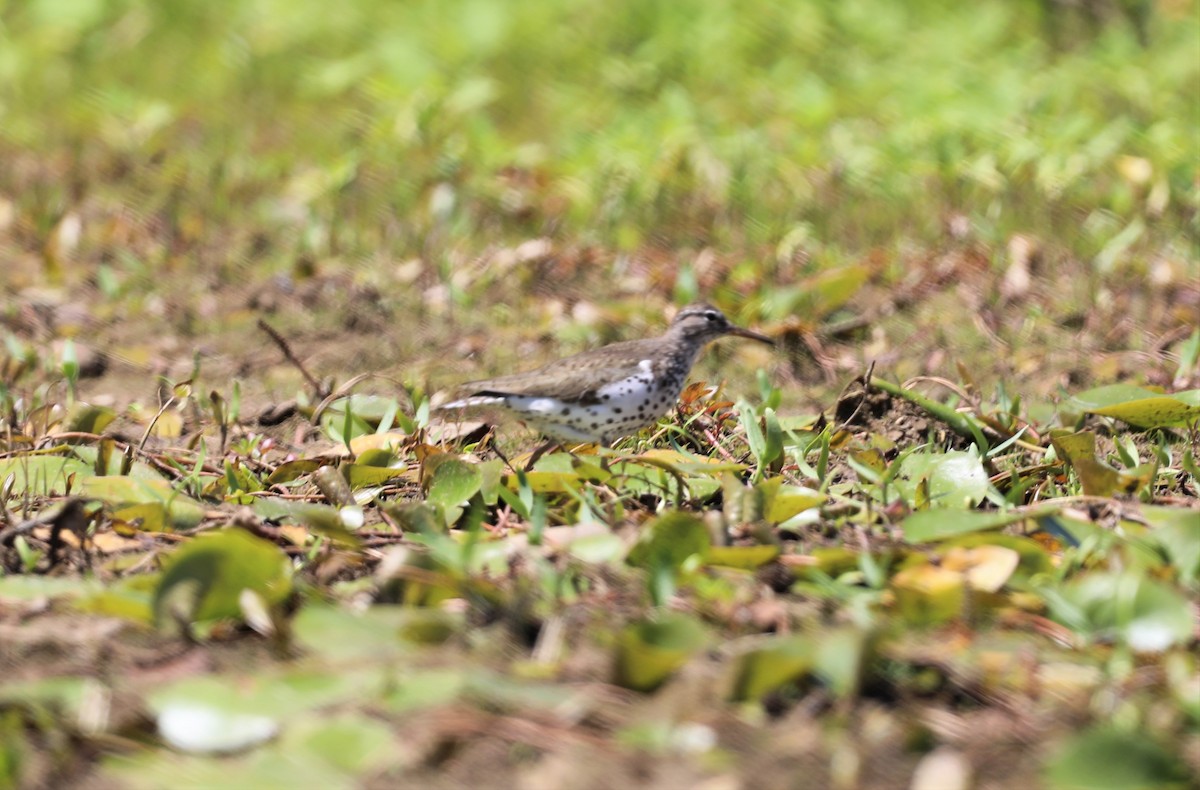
1072, 447
341, 424
776, 663
754, 433
20, 587
131, 598
368, 408
90, 419
839, 658
782, 501
353, 743
1189, 354
290, 470
416, 517
543, 482
636, 478
929, 595
42, 475
598, 549
426, 689
453, 483
773, 437
648, 652
491, 474
1177, 531
338, 633
962, 424
182, 512
955, 478
827, 561
213, 570
942, 523
1108, 758
669, 540
361, 476
1138, 406
68, 692
745, 558
1096, 477
324, 520
687, 463
1145, 614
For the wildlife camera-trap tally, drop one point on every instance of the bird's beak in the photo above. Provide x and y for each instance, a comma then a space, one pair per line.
751, 335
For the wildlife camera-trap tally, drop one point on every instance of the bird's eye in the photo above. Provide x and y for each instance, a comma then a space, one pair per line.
712, 316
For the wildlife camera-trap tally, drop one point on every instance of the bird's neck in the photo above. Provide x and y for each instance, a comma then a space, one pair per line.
683, 351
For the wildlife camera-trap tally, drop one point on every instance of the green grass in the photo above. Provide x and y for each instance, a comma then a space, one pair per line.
362, 128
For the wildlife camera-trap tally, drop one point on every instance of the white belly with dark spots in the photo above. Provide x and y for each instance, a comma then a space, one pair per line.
622, 408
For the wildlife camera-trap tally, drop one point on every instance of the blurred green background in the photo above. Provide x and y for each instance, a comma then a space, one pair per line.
624, 123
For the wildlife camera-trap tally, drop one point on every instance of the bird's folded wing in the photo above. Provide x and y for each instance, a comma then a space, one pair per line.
575, 378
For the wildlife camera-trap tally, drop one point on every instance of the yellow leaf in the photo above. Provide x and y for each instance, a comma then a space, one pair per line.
985, 568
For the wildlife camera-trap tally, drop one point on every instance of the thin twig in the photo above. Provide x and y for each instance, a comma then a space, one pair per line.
291, 357
150, 427
347, 387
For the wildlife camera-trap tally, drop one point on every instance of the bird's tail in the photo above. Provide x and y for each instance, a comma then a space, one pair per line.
472, 402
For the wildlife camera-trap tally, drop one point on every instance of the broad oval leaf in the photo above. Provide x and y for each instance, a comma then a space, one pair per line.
42, 475
182, 512
369, 408
352, 742
928, 594
956, 478
290, 470
651, 651
1116, 760
945, 523
669, 540
215, 568
771, 666
363, 475
1146, 614
336, 524
786, 501
745, 558
1177, 531
90, 419
454, 482
1138, 406
985, 568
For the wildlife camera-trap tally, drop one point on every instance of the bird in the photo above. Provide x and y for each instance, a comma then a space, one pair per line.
601, 395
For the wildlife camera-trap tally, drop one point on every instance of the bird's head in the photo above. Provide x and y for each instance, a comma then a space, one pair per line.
703, 323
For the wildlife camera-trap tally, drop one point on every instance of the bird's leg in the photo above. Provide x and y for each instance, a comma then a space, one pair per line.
539, 452
503, 458
604, 450
596, 458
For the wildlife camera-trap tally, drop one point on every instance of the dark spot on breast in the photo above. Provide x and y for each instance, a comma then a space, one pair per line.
565, 412
616, 411
595, 425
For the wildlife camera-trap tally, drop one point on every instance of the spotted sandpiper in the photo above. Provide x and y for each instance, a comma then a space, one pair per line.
609, 392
